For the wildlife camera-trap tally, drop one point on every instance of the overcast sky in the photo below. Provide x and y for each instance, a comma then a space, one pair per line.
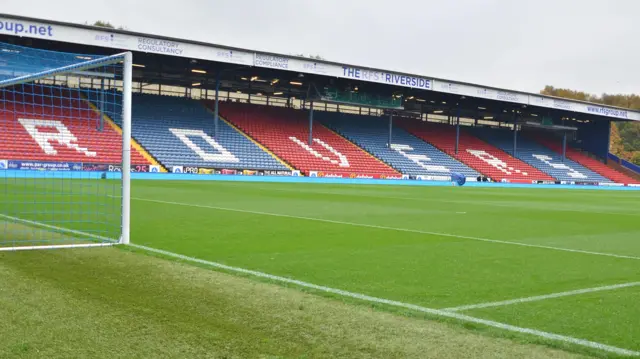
590, 45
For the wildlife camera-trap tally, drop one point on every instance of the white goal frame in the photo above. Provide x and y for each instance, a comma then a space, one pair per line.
126, 59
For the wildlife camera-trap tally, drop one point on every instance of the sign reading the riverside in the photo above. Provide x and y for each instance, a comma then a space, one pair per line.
122, 41
386, 78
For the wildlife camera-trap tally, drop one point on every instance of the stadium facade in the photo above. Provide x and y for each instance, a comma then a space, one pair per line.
208, 108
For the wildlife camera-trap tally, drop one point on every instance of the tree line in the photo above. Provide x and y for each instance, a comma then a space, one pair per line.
625, 136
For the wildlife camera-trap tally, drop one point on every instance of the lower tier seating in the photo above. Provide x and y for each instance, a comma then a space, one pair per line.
180, 132
285, 132
36, 129
477, 154
407, 153
586, 161
539, 156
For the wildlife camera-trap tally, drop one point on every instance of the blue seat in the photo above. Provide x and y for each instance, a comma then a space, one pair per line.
539, 156
408, 154
179, 132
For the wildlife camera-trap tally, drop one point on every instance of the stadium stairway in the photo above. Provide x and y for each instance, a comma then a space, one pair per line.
179, 132
585, 160
285, 132
64, 131
539, 156
408, 154
475, 153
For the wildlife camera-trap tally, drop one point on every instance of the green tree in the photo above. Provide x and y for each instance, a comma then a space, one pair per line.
625, 136
103, 24
315, 57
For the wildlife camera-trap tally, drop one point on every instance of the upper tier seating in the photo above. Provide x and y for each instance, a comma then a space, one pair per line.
57, 126
285, 132
408, 154
539, 156
477, 154
586, 161
179, 132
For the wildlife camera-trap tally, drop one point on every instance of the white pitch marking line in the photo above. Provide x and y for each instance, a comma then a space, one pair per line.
364, 297
542, 297
108, 241
390, 228
431, 311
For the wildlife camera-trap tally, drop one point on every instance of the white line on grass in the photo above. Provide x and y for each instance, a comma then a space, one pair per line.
483, 203
431, 311
388, 228
107, 241
364, 297
541, 297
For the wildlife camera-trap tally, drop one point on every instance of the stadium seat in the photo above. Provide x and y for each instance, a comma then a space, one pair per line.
408, 154
180, 132
585, 160
477, 154
284, 131
539, 156
56, 126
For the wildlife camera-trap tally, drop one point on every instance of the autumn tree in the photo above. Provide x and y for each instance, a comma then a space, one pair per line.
625, 136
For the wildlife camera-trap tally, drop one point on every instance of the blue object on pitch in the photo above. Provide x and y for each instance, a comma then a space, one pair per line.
458, 178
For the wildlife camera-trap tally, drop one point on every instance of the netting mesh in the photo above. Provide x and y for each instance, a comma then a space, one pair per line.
60, 153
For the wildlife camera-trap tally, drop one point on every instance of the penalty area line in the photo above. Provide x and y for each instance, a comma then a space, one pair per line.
367, 298
542, 297
406, 230
363, 297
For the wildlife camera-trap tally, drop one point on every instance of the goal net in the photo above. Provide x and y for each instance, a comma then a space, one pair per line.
64, 162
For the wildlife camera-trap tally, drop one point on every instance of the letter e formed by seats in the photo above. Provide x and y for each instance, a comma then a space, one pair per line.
44, 139
223, 154
418, 158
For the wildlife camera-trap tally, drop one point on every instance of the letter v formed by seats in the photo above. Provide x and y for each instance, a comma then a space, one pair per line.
342, 160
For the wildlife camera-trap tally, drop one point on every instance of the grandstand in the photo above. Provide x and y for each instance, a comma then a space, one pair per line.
406, 153
221, 122
540, 157
584, 159
178, 132
56, 125
284, 132
436, 127
483, 157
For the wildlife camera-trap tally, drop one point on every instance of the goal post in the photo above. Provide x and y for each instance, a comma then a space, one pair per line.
64, 161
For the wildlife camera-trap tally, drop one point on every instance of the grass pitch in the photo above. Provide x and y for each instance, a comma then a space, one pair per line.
438, 247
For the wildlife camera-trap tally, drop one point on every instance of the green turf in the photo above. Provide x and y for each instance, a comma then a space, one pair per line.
426, 269
111, 303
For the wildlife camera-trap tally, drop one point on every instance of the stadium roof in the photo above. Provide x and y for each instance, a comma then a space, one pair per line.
127, 40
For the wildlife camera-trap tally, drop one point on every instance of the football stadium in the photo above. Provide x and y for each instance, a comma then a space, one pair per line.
167, 198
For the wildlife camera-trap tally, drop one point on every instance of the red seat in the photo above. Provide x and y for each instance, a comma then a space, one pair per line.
87, 144
592, 164
475, 153
284, 132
